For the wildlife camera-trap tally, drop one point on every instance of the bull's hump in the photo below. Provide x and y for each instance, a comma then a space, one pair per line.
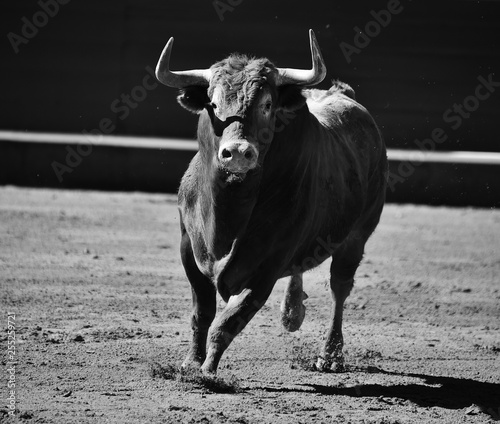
332, 108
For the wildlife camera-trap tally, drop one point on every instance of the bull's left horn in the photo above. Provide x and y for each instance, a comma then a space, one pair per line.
179, 79
305, 76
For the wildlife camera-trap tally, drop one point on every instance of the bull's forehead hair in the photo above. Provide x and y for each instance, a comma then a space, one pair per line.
240, 77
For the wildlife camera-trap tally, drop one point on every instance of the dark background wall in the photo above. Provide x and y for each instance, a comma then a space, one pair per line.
67, 77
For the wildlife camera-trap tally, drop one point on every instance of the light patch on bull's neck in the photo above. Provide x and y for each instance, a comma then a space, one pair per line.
223, 262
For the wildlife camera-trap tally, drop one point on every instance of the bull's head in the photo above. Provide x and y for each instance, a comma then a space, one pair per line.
239, 99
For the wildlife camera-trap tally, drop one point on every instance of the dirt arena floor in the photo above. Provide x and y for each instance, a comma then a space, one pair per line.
102, 309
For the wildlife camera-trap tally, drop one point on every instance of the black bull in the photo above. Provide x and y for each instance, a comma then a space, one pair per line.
315, 189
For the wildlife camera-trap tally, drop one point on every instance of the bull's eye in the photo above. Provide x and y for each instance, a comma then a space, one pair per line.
267, 107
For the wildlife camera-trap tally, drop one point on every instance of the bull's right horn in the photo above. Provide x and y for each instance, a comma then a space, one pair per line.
179, 79
307, 77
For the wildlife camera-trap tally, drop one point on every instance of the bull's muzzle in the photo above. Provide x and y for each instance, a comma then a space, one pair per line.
238, 156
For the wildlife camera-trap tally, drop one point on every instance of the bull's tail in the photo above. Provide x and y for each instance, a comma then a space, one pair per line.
342, 87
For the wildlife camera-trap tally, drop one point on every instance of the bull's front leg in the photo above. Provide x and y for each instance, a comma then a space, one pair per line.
204, 305
239, 310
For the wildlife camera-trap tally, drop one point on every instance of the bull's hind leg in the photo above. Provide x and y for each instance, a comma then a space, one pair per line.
204, 305
344, 265
293, 310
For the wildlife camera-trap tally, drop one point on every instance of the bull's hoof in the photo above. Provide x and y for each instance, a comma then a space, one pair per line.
321, 365
191, 363
335, 365
338, 366
293, 311
195, 370
292, 318
208, 371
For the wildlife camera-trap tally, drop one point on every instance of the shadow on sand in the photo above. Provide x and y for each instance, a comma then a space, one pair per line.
444, 392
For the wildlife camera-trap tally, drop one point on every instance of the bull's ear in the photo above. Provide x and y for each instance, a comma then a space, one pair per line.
193, 98
290, 98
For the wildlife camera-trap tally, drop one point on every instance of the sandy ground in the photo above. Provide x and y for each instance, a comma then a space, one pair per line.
100, 298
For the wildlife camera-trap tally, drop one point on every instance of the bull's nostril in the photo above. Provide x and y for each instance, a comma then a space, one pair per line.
248, 155
226, 154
